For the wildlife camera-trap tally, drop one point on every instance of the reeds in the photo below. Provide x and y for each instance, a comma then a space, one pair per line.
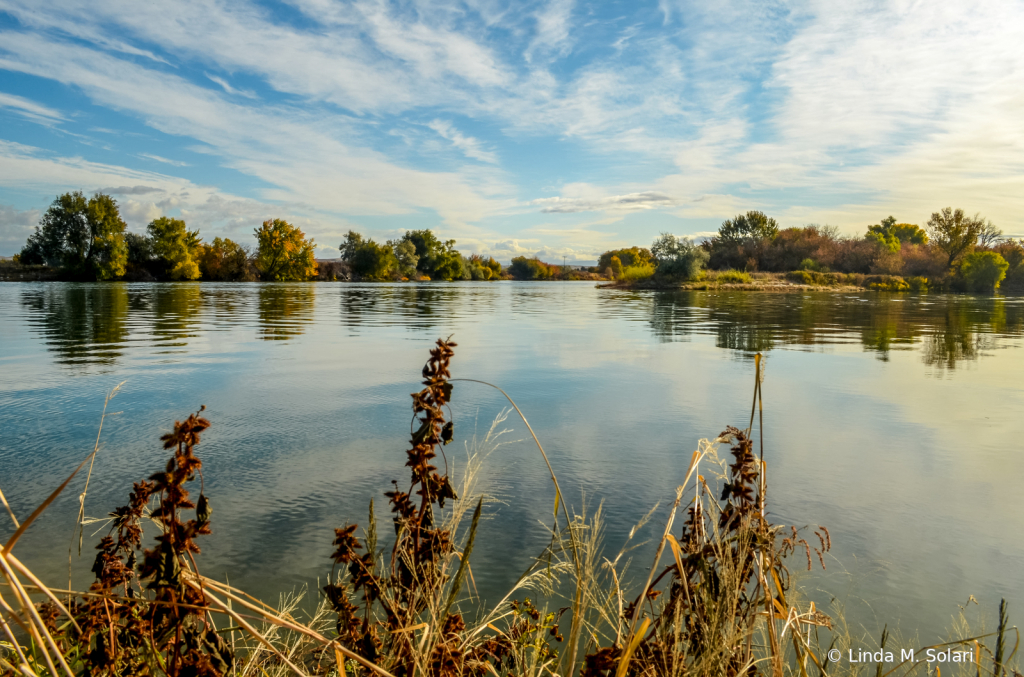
399, 604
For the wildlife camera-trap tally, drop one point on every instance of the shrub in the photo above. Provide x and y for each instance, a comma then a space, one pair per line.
637, 273
918, 283
983, 271
922, 260
811, 277
888, 283
732, 276
1013, 252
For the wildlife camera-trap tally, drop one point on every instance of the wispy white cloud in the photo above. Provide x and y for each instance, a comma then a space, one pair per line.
30, 109
467, 144
228, 88
552, 29
157, 158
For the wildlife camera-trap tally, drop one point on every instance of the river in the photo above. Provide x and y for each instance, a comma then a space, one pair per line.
894, 420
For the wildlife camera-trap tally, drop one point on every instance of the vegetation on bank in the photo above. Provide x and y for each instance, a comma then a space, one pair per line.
86, 239
954, 252
718, 598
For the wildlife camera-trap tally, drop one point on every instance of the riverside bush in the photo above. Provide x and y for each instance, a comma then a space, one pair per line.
983, 271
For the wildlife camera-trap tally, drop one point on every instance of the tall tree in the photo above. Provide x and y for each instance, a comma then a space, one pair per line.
84, 237
955, 233
752, 225
437, 259
284, 253
176, 246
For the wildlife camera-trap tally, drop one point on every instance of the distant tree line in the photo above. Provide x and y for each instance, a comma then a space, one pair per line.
86, 239
417, 255
954, 251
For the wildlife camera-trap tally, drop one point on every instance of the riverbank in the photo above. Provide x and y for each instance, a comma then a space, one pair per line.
794, 281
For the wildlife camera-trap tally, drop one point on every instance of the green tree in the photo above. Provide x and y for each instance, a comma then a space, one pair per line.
437, 260
954, 233
886, 240
983, 271
901, 233
405, 254
224, 259
678, 257
370, 260
284, 254
523, 268
176, 247
374, 261
752, 225
84, 237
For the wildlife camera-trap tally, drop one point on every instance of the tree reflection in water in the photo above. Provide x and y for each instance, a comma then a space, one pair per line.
285, 310
947, 329
80, 323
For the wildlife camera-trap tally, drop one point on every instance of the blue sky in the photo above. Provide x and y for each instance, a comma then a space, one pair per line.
555, 127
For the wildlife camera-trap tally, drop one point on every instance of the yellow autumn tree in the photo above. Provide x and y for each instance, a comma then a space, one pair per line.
284, 254
177, 246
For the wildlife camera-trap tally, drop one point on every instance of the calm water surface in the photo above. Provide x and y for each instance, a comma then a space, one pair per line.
895, 420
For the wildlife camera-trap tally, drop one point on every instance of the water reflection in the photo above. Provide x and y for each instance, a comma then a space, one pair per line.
175, 311
285, 310
948, 329
80, 324
416, 306
90, 324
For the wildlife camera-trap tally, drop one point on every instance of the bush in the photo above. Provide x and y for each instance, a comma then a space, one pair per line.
918, 283
811, 277
983, 271
1013, 252
923, 261
792, 248
637, 273
888, 283
732, 277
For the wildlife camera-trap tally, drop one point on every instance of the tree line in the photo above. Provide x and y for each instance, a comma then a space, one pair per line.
954, 251
86, 239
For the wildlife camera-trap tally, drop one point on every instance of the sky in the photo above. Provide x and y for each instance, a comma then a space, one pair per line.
552, 128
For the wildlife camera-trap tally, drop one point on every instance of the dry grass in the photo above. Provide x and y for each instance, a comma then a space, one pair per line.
718, 599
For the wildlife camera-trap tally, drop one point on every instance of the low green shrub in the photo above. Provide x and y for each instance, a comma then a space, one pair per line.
918, 283
733, 276
637, 273
887, 283
983, 271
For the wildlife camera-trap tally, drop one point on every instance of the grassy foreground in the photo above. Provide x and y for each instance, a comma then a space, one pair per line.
718, 599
